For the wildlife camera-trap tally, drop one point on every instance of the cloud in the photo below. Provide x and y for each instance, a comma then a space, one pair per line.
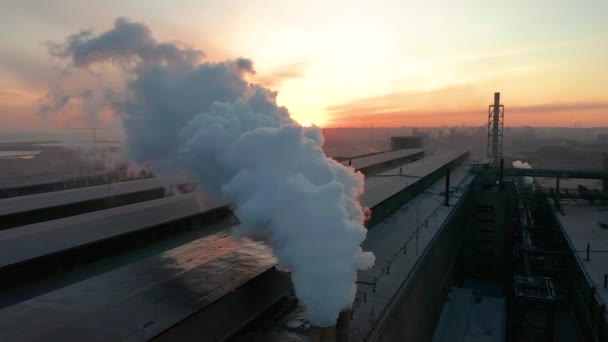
450, 106
54, 101
407, 101
276, 77
558, 107
127, 42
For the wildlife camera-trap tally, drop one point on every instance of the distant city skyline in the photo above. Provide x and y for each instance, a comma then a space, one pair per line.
345, 64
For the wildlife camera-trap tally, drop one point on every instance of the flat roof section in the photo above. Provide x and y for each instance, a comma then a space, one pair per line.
377, 162
58, 198
143, 299
469, 318
380, 187
46, 179
34, 241
583, 224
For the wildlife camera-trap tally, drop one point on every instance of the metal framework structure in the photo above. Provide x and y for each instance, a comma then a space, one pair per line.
496, 115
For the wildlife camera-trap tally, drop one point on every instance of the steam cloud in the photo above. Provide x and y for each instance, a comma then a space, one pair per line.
243, 147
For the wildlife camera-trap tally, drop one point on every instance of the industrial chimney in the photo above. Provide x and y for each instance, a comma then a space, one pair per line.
343, 326
337, 333
605, 181
322, 334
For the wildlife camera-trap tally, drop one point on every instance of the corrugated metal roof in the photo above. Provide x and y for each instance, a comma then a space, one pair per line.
380, 187
363, 162
582, 224
36, 240
58, 198
142, 299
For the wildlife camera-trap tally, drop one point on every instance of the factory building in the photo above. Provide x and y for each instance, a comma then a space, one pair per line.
466, 249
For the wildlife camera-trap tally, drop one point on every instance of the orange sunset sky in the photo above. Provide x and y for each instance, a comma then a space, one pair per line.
347, 63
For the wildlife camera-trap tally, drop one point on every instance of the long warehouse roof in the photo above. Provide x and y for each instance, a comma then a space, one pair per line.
36, 240
583, 224
363, 162
58, 198
380, 187
140, 300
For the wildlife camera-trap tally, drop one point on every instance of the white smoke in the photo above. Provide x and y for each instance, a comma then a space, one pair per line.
518, 164
244, 148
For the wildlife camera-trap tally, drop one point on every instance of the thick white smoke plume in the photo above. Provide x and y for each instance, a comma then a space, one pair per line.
243, 147
518, 164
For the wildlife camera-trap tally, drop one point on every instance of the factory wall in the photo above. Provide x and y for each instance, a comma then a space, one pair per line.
425, 289
485, 252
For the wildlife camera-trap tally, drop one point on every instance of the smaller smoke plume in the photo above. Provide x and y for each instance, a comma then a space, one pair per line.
53, 102
518, 164
126, 41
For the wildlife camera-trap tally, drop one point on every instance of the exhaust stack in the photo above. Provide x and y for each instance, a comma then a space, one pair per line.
343, 326
322, 334
336, 333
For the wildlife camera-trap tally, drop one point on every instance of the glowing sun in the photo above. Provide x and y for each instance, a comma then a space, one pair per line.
306, 123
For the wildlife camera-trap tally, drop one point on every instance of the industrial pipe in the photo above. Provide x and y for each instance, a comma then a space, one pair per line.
447, 187
605, 180
501, 175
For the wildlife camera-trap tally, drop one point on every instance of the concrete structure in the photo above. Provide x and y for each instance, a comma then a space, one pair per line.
29, 209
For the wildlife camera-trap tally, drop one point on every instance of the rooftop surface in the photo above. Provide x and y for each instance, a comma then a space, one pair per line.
142, 299
581, 225
381, 186
160, 289
40, 179
36, 240
19, 204
363, 162
425, 211
469, 318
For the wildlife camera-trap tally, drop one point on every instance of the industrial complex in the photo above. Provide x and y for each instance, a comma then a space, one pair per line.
468, 248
